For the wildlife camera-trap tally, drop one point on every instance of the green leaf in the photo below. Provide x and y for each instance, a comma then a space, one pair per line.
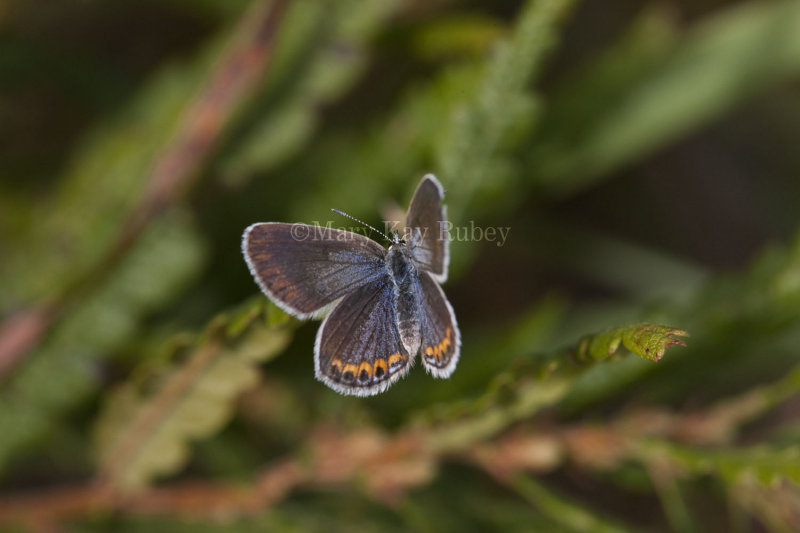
530, 386
731, 317
147, 425
646, 340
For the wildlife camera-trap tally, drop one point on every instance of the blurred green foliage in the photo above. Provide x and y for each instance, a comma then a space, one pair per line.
642, 156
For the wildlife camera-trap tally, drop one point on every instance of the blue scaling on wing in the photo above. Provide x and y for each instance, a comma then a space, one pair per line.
305, 268
358, 348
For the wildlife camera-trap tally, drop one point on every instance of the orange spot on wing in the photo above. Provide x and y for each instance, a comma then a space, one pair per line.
365, 367
445, 344
380, 364
394, 359
351, 368
438, 351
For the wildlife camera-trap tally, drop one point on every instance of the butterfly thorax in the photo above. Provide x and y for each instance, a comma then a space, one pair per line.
405, 277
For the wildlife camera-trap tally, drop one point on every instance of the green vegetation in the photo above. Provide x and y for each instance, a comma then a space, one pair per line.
631, 350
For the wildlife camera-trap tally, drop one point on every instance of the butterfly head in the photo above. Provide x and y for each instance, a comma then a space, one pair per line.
397, 241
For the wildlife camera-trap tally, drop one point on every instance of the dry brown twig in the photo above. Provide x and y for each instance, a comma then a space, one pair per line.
386, 466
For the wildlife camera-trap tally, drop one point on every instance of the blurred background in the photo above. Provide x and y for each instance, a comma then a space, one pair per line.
643, 156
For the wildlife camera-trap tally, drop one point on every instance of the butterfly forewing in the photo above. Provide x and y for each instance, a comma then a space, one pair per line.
441, 339
426, 228
358, 349
305, 268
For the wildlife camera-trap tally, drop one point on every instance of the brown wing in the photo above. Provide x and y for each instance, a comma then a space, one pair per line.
304, 268
441, 339
426, 228
358, 349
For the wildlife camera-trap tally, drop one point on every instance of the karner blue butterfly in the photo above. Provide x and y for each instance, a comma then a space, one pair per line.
383, 306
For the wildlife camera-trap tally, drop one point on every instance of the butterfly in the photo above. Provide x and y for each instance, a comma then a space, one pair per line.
382, 306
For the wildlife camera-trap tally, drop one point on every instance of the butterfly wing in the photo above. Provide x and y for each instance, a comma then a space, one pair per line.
305, 268
426, 228
358, 349
441, 339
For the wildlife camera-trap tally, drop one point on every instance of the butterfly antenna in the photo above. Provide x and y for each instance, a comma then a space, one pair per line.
339, 211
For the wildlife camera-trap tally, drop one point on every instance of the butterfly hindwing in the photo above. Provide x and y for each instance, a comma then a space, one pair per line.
441, 339
358, 349
305, 268
426, 228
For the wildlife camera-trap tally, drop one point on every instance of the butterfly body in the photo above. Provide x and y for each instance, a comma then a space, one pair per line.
385, 306
404, 275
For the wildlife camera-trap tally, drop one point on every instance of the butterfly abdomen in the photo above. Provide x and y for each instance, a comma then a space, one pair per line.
407, 296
